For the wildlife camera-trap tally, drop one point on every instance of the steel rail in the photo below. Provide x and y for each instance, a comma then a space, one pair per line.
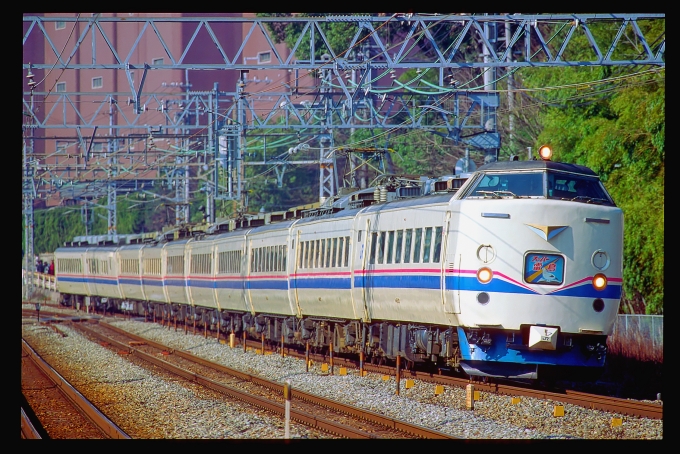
586, 400
108, 427
28, 430
387, 422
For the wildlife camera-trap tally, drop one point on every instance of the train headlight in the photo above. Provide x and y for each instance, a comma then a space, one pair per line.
600, 281
598, 305
545, 152
484, 275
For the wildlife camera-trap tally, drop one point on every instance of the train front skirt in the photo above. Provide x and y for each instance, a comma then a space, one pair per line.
520, 354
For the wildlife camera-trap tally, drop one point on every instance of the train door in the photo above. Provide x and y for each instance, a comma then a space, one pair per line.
364, 244
90, 271
295, 256
450, 299
247, 271
140, 269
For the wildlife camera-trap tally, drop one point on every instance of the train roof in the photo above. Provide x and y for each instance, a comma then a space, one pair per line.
504, 166
412, 202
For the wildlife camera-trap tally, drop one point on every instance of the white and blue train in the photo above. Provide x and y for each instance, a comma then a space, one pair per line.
514, 271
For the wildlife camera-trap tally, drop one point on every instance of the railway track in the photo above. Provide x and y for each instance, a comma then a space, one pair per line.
587, 400
56, 409
317, 412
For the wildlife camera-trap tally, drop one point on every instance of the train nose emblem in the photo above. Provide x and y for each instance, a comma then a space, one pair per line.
543, 337
547, 232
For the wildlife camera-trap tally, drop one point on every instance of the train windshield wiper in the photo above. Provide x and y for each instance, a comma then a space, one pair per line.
586, 199
489, 194
498, 194
507, 194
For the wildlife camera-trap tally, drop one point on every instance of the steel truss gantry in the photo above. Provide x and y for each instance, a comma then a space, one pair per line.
349, 94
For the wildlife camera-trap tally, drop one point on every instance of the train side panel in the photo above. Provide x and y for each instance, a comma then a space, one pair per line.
152, 273
401, 276
322, 278
229, 276
201, 273
267, 278
70, 270
176, 261
130, 272
104, 272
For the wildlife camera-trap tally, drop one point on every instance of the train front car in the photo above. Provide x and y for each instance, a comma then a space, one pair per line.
538, 266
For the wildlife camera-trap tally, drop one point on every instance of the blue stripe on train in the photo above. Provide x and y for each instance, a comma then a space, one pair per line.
502, 286
342, 283
397, 281
376, 281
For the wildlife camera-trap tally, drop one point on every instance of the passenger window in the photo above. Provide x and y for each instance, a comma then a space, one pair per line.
328, 252
381, 248
407, 246
437, 244
346, 251
334, 254
390, 245
303, 255
374, 243
427, 244
416, 246
317, 253
397, 253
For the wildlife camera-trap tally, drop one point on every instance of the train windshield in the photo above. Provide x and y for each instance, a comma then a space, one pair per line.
578, 188
544, 184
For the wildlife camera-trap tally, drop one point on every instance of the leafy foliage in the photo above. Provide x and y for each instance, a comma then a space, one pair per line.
617, 129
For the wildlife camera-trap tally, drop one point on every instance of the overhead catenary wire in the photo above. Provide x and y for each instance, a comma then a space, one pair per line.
419, 34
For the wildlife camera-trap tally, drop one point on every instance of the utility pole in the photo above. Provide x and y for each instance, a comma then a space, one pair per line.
28, 194
326, 152
511, 89
112, 215
241, 194
491, 34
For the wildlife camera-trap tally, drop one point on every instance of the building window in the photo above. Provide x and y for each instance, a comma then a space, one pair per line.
97, 147
264, 57
62, 147
59, 25
61, 87
97, 82
157, 61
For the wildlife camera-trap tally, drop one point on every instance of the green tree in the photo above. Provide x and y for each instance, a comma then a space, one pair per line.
613, 121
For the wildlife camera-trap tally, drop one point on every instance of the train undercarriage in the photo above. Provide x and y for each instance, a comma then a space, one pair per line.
380, 341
